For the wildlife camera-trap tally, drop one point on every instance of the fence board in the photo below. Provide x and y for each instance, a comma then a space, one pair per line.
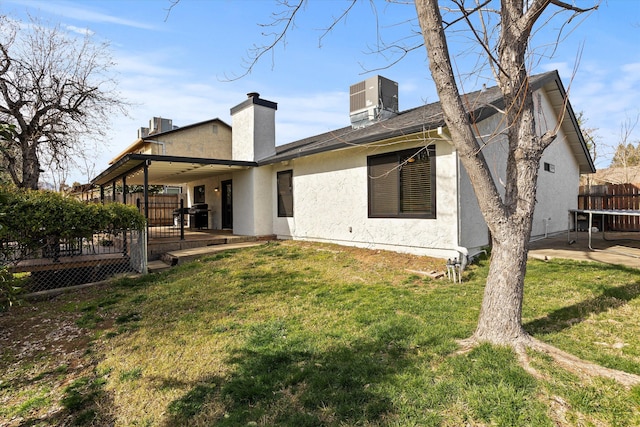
613, 197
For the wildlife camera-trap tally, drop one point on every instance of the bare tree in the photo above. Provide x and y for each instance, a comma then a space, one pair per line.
54, 89
502, 36
627, 154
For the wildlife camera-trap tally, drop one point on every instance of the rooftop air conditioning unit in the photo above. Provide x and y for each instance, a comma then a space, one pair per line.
372, 100
158, 125
143, 133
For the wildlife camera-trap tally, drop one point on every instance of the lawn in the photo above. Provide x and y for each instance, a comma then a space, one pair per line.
301, 334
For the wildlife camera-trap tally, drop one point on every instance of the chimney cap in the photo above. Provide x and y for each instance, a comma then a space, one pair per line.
253, 95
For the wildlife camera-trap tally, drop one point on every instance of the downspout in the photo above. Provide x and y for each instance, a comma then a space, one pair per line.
463, 252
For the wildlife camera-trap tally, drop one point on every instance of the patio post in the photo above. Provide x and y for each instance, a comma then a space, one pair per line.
124, 190
146, 190
181, 219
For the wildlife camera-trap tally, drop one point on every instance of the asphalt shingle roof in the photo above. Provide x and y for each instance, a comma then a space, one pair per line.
426, 117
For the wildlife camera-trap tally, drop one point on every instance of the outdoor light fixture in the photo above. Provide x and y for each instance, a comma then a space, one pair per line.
216, 189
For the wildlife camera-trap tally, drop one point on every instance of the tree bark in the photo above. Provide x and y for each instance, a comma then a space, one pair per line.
500, 320
508, 217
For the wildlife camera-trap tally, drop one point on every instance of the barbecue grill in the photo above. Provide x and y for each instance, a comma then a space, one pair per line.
199, 216
176, 216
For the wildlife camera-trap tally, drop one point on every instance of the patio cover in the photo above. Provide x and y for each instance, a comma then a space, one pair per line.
166, 170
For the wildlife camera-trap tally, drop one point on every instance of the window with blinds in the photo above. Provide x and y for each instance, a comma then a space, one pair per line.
285, 193
402, 184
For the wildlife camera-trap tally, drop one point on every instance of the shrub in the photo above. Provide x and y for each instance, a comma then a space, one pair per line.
35, 215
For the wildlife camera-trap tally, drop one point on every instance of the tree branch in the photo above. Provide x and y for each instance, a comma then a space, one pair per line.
288, 20
335, 22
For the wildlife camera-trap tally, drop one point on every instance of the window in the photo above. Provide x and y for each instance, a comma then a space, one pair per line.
549, 167
402, 184
285, 193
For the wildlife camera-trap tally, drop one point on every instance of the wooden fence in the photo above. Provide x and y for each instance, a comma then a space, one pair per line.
161, 207
613, 197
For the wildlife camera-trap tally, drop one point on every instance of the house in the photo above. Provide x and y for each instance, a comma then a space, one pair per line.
207, 139
392, 180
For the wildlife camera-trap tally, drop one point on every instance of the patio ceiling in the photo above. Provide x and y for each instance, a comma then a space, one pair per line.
166, 170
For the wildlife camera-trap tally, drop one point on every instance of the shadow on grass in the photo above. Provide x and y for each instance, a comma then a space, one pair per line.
286, 382
563, 318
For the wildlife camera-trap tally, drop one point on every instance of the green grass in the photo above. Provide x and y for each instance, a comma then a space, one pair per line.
296, 334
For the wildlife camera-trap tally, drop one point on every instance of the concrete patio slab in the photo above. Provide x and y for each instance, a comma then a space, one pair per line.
610, 248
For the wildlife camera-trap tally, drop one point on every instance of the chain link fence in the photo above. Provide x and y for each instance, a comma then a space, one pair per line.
53, 263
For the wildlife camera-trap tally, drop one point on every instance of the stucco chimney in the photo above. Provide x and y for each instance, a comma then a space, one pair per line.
253, 124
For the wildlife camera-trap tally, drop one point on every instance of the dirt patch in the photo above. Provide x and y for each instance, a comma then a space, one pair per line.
44, 328
381, 258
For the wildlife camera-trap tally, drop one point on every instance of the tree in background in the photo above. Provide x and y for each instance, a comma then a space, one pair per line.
6, 133
627, 154
55, 89
589, 134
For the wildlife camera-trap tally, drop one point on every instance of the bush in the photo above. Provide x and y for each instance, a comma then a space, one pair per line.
30, 220
9, 289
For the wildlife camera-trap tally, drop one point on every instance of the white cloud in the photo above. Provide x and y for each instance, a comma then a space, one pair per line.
74, 11
78, 30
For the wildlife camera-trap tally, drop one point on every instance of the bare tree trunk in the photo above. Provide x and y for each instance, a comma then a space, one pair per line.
508, 217
500, 318
30, 168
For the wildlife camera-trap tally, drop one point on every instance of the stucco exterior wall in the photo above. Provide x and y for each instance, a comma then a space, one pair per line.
474, 232
330, 204
208, 140
557, 192
212, 197
253, 133
252, 202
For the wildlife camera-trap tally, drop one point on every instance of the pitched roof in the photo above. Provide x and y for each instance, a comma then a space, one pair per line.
430, 117
135, 145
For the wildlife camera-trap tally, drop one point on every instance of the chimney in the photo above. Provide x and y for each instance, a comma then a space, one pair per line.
253, 123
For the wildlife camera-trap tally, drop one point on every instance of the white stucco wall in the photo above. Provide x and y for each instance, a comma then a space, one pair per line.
254, 133
330, 204
556, 193
474, 233
252, 202
212, 197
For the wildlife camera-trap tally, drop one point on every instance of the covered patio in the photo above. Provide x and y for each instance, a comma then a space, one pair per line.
146, 170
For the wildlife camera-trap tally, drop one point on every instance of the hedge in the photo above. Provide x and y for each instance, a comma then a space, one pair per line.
29, 216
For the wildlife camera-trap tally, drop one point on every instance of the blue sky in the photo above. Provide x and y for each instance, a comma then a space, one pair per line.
177, 66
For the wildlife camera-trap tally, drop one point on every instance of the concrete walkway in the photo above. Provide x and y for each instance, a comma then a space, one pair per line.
181, 256
614, 248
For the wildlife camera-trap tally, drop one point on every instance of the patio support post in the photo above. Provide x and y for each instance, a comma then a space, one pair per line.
124, 190
181, 219
102, 194
146, 190
124, 201
113, 192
